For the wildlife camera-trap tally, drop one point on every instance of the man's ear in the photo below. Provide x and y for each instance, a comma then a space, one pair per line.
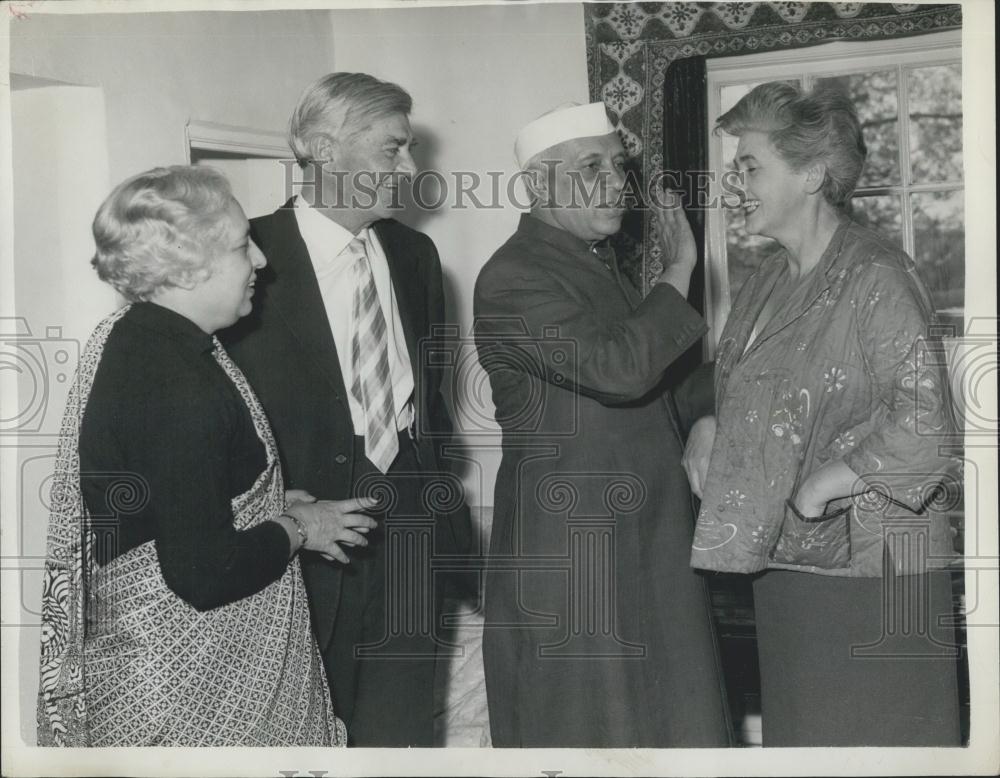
324, 149
536, 181
815, 177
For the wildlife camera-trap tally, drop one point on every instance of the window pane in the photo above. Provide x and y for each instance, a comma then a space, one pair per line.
877, 101
882, 213
744, 253
939, 248
935, 96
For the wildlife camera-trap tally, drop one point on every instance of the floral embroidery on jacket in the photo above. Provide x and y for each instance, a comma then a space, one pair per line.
845, 370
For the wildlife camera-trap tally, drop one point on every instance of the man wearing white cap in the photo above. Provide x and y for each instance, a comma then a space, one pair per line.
598, 632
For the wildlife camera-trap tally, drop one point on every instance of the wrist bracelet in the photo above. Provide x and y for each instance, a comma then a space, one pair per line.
299, 528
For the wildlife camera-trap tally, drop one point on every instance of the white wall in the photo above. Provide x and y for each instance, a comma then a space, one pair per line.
160, 69
62, 171
477, 75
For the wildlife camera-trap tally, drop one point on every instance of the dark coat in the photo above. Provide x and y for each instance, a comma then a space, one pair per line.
590, 493
287, 351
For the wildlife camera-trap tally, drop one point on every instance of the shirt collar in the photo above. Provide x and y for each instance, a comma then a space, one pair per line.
317, 230
171, 324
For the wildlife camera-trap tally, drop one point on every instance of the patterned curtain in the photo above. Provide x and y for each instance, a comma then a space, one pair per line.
637, 62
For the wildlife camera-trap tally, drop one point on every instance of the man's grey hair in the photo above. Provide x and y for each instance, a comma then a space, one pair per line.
340, 105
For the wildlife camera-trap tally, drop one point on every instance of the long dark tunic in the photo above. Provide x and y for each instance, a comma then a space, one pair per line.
598, 633
166, 442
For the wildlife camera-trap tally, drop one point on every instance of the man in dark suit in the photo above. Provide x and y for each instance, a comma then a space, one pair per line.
333, 349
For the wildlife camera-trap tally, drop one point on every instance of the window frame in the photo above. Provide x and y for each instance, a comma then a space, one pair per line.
835, 58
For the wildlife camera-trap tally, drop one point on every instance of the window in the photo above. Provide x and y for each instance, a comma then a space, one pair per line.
908, 93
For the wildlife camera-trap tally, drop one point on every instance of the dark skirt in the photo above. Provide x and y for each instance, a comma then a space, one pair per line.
849, 662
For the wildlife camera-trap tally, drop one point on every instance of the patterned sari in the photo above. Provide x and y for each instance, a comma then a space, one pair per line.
126, 662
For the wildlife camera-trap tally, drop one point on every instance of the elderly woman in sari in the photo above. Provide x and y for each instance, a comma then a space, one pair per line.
173, 606
821, 467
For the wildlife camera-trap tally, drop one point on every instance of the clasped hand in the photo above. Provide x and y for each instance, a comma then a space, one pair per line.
331, 524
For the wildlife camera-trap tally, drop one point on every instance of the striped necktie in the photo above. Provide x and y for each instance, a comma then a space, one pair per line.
371, 383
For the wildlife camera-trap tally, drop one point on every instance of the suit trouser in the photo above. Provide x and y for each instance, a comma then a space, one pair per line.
380, 660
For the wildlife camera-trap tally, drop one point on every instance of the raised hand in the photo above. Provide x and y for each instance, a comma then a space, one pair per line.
679, 251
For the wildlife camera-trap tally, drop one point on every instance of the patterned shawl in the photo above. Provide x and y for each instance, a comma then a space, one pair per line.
125, 662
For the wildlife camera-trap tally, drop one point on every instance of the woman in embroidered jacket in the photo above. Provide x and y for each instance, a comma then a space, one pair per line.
822, 464
173, 607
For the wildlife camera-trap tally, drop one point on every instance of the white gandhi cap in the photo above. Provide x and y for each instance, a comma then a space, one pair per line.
566, 122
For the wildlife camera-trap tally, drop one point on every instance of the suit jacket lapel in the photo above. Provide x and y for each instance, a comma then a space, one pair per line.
409, 296
297, 297
405, 285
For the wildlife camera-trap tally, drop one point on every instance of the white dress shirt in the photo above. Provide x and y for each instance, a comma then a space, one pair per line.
327, 243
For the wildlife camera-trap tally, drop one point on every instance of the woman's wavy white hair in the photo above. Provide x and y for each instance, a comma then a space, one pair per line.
161, 227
